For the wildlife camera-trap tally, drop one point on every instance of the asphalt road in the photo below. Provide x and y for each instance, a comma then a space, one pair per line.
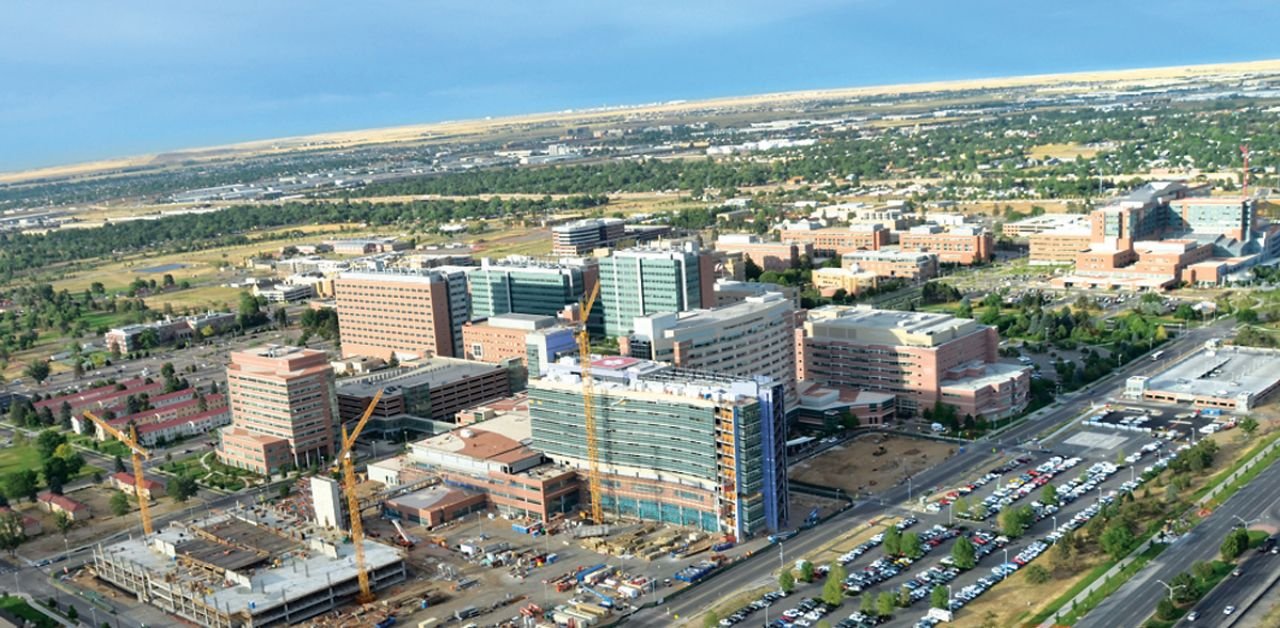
758, 571
1136, 599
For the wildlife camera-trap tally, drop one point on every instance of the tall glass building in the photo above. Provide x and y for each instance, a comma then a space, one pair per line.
521, 285
683, 447
642, 281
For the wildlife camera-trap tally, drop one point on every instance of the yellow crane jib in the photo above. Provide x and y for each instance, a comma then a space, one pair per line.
137, 454
346, 458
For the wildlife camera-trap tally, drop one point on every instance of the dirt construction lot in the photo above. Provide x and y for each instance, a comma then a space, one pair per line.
871, 462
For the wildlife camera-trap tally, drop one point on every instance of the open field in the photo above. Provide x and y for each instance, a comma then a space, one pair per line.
474, 128
872, 462
1062, 151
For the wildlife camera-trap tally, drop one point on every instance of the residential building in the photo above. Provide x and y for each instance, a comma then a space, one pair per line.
54, 503
152, 335
769, 256
852, 280
682, 447
892, 263
415, 398
957, 245
642, 281
125, 482
365, 246
406, 315
523, 285
483, 465
922, 358
584, 236
283, 409
184, 426
755, 337
534, 341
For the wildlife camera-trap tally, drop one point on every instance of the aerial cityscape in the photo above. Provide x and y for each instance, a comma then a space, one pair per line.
948, 350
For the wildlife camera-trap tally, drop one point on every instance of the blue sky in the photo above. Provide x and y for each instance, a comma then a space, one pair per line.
89, 79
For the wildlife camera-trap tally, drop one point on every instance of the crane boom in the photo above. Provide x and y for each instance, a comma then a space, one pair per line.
347, 460
588, 408
137, 454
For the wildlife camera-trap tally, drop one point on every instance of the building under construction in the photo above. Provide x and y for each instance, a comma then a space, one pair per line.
246, 567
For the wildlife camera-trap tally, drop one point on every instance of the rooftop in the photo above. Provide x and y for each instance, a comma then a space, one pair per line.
493, 439
1223, 373
265, 559
618, 375
435, 371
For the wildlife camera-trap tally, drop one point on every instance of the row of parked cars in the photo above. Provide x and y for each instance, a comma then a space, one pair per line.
807, 614
758, 604
1077, 487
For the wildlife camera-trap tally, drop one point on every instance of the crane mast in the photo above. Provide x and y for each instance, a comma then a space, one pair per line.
588, 408
347, 459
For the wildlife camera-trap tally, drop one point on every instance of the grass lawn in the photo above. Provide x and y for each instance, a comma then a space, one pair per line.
19, 607
218, 475
16, 458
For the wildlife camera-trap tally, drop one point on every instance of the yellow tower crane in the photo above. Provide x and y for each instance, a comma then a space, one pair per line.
347, 459
588, 407
138, 453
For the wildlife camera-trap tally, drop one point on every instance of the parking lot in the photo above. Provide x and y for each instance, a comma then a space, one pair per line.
1089, 466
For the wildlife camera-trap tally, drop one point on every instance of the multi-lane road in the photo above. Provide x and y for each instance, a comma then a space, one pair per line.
759, 567
1256, 503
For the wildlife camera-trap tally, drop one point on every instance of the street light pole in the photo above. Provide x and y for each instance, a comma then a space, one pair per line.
1003, 572
1055, 522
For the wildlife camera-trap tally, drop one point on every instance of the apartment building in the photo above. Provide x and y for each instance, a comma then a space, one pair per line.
407, 315
727, 292
1059, 246
648, 280
684, 447
584, 236
922, 358
754, 337
892, 263
534, 341
1028, 227
964, 245
283, 409
525, 285
769, 256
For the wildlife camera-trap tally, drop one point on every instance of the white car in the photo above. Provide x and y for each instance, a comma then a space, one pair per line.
1228, 610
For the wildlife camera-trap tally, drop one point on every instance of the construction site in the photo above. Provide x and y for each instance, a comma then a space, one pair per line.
246, 567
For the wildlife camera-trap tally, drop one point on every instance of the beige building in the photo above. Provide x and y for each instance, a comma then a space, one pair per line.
283, 409
406, 315
828, 280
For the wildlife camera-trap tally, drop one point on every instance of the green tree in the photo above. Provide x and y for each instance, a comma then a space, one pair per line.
20, 484
1202, 571
182, 488
1236, 542
711, 620
62, 521
833, 588
910, 546
1049, 495
1117, 539
120, 504
904, 596
1249, 425
1165, 611
72, 613
885, 604
963, 554
1185, 589
38, 371
938, 598
1037, 574
892, 542
868, 604
12, 534
806, 571
119, 464
48, 441
786, 581
1014, 521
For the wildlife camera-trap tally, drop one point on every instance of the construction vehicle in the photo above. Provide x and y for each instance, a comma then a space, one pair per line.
405, 540
588, 408
137, 453
346, 457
